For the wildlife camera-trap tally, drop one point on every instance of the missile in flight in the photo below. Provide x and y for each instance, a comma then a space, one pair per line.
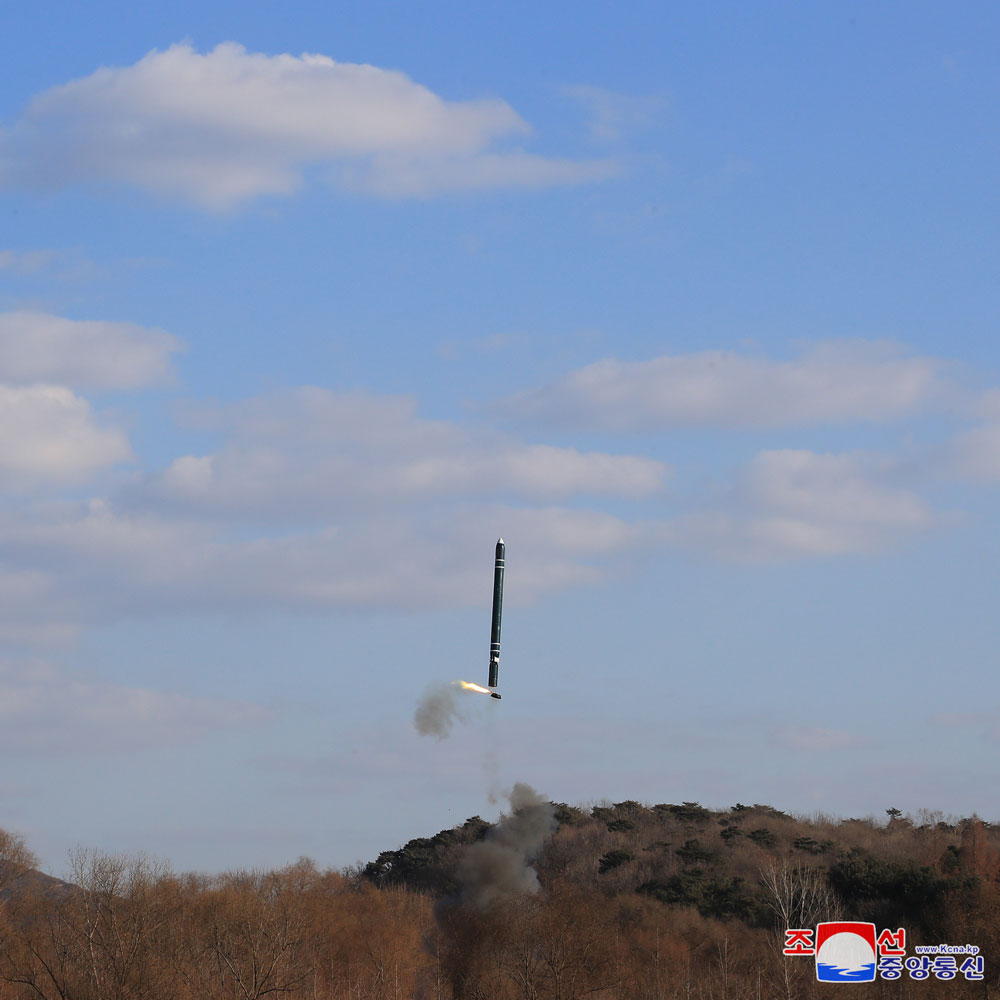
497, 614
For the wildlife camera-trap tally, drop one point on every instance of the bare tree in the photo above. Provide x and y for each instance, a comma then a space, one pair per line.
15, 858
115, 918
799, 896
243, 935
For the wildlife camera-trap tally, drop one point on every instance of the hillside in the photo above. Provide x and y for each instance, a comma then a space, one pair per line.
619, 900
714, 887
687, 855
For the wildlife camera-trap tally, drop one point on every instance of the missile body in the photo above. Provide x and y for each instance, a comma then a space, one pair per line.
497, 614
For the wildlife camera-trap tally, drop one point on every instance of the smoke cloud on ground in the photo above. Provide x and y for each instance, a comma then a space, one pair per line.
438, 710
500, 865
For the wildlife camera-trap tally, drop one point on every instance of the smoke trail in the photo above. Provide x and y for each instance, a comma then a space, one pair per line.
491, 871
438, 710
500, 865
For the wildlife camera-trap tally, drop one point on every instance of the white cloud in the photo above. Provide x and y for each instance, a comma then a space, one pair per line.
975, 454
389, 511
56, 711
229, 126
75, 565
39, 347
795, 503
308, 452
835, 382
323, 501
611, 114
48, 436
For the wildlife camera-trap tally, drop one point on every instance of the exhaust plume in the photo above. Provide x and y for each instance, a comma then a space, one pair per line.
500, 865
438, 710
490, 873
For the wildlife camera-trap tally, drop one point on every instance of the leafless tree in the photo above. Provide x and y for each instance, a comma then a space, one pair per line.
798, 895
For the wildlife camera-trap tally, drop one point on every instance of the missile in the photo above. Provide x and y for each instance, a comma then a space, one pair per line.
497, 613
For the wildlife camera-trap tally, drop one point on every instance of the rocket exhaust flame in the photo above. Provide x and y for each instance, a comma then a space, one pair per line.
478, 688
468, 686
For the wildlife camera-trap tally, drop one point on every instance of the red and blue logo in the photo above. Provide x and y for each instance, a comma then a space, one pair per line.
845, 952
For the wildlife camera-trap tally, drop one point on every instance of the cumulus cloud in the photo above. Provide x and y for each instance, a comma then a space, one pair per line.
48, 436
56, 711
308, 452
228, 125
40, 347
834, 382
791, 503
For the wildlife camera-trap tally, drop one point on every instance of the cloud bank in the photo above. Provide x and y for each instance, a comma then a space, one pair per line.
309, 452
318, 501
69, 565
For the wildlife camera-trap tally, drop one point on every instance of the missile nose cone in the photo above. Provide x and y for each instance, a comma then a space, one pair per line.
500, 548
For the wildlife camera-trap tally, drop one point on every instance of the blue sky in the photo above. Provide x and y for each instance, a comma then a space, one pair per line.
301, 308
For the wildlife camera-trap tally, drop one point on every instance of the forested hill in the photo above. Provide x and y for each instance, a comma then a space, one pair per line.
619, 901
708, 893
722, 862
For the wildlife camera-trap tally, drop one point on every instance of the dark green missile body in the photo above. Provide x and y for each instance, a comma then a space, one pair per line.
497, 614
